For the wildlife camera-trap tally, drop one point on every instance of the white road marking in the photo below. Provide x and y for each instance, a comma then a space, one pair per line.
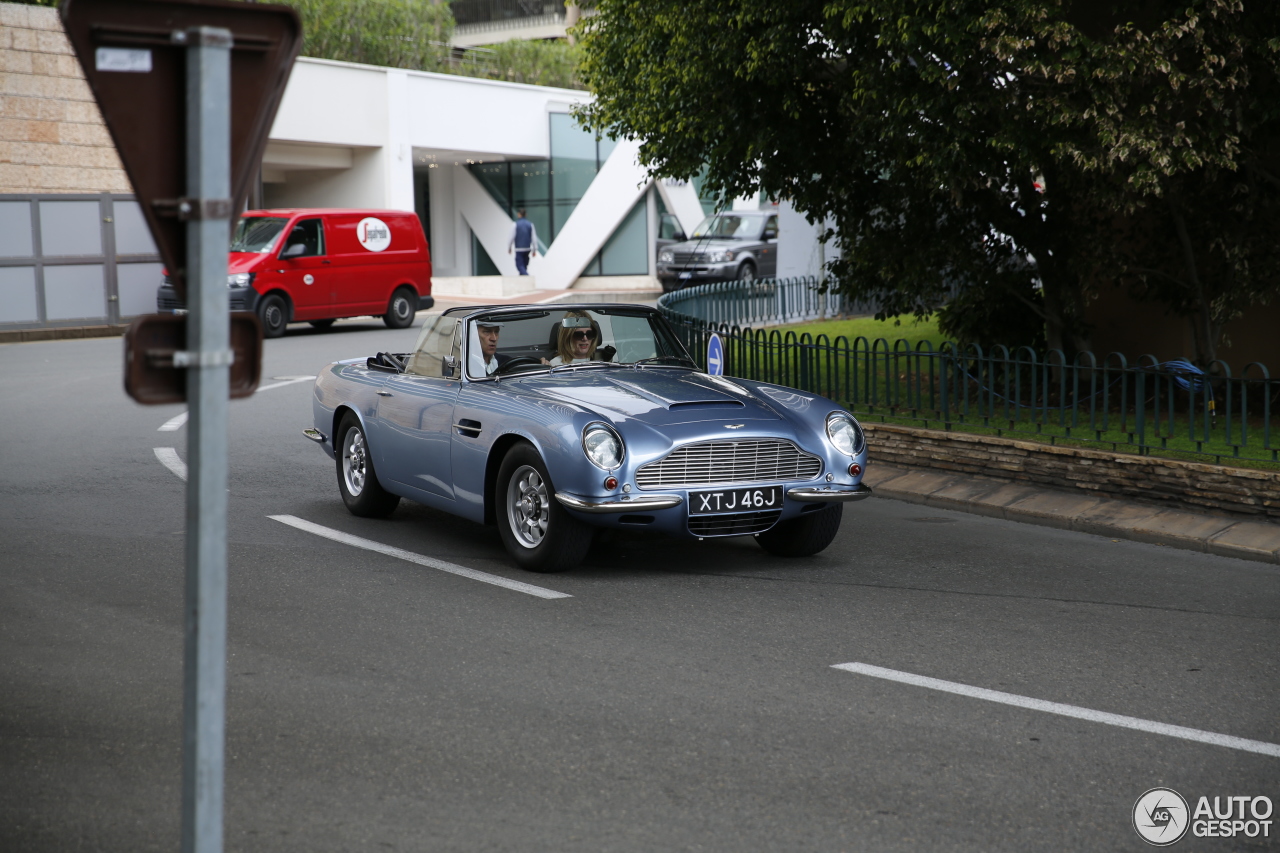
1258, 746
400, 553
177, 422
169, 458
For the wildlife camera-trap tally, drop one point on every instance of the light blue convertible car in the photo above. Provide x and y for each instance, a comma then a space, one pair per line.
552, 422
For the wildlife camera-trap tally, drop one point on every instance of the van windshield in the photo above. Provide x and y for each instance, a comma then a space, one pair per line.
256, 233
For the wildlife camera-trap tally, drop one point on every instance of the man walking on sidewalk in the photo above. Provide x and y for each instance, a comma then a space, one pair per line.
524, 239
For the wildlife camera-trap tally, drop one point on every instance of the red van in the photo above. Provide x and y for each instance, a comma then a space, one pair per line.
320, 265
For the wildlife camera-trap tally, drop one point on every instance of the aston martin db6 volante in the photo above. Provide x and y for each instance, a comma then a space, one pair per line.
553, 422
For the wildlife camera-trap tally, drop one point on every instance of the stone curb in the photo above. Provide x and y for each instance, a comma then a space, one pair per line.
1118, 519
21, 336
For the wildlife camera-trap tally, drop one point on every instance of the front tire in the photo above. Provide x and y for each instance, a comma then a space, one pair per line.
357, 481
747, 273
274, 314
402, 309
537, 531
805, 535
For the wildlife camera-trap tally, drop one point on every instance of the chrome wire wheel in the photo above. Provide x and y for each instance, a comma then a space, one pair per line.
355, 461
528, 506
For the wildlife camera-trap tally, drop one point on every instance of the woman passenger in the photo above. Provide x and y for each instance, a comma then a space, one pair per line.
579, 338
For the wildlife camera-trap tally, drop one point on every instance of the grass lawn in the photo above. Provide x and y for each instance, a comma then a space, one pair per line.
905, 328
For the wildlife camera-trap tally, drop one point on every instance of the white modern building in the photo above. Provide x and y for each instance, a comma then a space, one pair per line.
465, 154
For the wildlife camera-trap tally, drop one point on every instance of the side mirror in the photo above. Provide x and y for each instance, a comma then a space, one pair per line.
770, 235
294, 251
679, 237
448, 365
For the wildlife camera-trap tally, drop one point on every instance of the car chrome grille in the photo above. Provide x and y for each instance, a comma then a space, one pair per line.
716, 462
690, 257
737, 524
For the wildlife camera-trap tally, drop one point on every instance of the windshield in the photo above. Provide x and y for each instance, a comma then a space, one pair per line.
730, 226
256, 233
555, 340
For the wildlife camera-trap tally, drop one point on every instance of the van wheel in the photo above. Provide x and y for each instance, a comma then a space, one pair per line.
274, 315
322, 324
401, 311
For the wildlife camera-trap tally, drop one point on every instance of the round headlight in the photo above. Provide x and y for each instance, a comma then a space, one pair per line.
845, 433
602, 446
667, 257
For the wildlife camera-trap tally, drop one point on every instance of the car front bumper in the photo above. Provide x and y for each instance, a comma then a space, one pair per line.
669, 513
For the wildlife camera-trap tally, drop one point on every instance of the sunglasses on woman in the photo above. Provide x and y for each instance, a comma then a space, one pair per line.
584, 334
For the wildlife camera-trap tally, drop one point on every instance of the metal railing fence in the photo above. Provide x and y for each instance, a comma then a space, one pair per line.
1143, 406
762, 302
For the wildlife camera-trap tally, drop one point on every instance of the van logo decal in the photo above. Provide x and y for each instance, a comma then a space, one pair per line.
373, 234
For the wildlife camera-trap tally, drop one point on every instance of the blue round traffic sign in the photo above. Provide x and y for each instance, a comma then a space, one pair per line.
715, 356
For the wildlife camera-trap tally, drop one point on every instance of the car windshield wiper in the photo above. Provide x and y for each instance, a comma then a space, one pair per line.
667, 359
580, 364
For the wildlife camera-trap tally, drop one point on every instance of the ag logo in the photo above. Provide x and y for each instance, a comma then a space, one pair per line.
1161, 817
373, 234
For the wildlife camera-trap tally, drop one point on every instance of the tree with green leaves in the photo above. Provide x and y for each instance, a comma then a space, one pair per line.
1026, 152
395, 33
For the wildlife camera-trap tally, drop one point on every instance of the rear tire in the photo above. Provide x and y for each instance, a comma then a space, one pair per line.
537, 531
803, 536
401, 309
274, 314
357, 481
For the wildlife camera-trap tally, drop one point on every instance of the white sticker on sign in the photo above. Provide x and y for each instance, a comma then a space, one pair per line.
123, 59
373, 234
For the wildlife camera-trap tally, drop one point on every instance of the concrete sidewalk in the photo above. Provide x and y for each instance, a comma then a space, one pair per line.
1118, 519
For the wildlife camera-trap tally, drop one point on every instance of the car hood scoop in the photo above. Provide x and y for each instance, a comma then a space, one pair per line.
657, 396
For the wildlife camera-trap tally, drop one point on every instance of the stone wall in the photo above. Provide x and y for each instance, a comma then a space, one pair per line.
52, 137
1167, 482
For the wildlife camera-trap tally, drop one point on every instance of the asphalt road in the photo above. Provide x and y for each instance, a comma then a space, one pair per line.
683, 697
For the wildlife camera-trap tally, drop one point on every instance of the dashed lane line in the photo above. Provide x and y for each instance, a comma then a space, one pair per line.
1150, 726
169, 458
410, 556
177, 422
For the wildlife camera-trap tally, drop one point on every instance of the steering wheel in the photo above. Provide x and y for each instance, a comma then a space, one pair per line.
518, 361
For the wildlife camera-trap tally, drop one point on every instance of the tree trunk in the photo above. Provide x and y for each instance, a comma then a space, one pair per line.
1203, 331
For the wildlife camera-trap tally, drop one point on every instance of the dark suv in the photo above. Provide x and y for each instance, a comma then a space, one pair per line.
738, 245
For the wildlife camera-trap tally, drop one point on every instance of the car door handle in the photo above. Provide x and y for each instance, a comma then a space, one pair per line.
468, 428
384, 394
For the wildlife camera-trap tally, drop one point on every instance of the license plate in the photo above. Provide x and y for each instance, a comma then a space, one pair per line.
686, 275
735, 500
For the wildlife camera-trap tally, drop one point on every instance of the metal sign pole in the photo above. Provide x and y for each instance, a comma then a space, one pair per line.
207, 209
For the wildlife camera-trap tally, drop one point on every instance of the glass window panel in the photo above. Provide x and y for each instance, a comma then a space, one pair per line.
132, 235
136, 285
568, 139
493, 177
606, 148
70, 228
626, 253
481, 263
75, 292
15, 229
18, 295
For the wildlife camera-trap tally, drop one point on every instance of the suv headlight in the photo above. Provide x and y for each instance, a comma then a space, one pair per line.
721, 257
845, 433
667, 257
240, 279
602, 445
